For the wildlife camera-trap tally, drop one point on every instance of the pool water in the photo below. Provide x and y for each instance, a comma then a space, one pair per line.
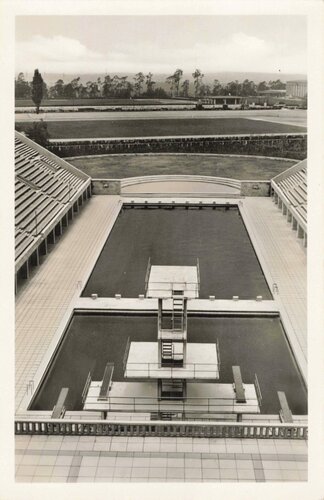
257, 344
216, 237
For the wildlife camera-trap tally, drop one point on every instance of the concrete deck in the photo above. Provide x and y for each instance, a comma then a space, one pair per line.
283, 260
163, 280
198, 305
201, 362
53, 289
201, 398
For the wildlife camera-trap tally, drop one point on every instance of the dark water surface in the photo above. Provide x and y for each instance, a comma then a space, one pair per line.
256, 344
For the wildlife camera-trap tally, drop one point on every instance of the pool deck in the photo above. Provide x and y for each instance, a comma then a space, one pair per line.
198, 305
54, 290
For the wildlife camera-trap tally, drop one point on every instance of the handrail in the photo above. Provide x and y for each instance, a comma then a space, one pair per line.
189, 405
218, 354
128, 343
258, 389
86, 387
148, 269
76, 427
198, 275
198, 368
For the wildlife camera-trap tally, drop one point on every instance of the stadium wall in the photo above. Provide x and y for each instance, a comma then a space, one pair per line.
245, 188
276, 145
255, 188
105, 186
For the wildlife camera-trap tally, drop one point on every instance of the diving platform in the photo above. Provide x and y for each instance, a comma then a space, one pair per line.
202, 362
164, 282
201, 398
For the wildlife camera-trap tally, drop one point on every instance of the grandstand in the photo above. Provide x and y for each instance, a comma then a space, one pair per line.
289, 192
47, 193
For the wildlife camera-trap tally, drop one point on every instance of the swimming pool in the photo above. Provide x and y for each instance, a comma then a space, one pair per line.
216, 237
256, 343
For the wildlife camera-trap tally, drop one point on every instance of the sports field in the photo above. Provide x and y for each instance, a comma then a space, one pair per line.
236, 167
218, 238
256, 344
162, 127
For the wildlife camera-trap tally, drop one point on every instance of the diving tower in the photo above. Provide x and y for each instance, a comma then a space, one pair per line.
172, 376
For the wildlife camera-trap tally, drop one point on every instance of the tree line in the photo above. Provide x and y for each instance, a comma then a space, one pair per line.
142, 85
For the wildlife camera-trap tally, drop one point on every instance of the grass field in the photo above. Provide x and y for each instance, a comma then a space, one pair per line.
256, 344
242, 168
162, 127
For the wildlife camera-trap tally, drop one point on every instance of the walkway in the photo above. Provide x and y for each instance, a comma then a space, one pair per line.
283, 260
41, 305
152, 459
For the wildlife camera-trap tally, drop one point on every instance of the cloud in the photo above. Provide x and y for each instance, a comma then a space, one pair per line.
238, 52
52, 53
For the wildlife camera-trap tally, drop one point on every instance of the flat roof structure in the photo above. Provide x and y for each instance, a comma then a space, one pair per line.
201, 399
164, 280
143, 361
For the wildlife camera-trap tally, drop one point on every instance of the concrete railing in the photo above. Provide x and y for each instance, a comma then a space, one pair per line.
161, 429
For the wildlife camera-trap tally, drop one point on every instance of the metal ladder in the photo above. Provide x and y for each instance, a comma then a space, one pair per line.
177, 312
167, 351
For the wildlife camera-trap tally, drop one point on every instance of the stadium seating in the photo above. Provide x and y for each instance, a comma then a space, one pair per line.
289, 190
46, 189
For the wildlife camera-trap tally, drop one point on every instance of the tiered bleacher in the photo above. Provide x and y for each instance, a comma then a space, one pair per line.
289, 190
46, 188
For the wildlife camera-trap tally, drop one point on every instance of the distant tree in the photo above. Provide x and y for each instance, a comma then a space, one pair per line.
99, 86
22, 88
37, 89
38, 132
159, 93
170, 80
248, 88
177, 77
92, 89
139, 80
107, 86
197, 76
45, 90
231, 88
185, 88
149, 84
277, 85
57, 91
76, 87
217, 88
262, 86
204, 90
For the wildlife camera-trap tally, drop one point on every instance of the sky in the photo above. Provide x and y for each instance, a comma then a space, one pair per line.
161, 44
